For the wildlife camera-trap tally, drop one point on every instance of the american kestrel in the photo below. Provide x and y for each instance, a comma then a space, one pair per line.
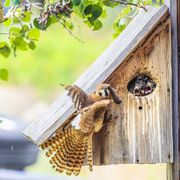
82, 99
68, 148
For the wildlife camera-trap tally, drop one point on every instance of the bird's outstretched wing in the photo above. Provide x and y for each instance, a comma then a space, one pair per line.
79, 97
92, 114
67, 149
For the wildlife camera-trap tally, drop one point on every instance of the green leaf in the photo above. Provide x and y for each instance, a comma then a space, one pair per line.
3, 74
110, 3
4, 49
116, 34
32, 45
97, 25
2, 44
69, 25
20, 43
54, 19
93, 12
42, 26
26, 16
36, 23
81, 9
15, 30
126, 10
16, 20
16, 2
76, 2
8, 22
33, 34
7, 3
25, 28
119, 25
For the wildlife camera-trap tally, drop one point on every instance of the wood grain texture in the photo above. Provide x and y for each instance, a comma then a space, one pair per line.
44, 126
143, 131
178, 34
174, 13
174, 8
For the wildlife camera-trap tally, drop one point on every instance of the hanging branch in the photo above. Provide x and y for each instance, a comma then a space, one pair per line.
22, 13
130, 3
70, 32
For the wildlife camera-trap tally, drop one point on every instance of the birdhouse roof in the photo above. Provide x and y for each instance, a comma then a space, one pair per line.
120, 49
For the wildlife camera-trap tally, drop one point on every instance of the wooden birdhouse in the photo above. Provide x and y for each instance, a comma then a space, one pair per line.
143, 130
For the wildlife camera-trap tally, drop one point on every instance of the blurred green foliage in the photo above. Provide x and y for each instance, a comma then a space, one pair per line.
23, 23
59, 58
3, 74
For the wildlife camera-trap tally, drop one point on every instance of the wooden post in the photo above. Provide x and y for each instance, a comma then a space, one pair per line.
174, 7
178, 34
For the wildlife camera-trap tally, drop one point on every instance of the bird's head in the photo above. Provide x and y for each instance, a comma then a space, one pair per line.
105, 91
140, 86
150, 86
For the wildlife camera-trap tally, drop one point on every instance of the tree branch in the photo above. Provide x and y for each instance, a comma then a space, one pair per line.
130, 3
63, 24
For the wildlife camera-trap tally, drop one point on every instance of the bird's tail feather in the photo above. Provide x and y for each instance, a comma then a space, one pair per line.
67, 150
89, 153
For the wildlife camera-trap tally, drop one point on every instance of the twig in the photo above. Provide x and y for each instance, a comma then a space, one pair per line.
130, 3
63, 24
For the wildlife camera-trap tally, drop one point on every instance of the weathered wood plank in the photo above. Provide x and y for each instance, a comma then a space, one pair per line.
125, 44
174, 7
143, 132
178, 34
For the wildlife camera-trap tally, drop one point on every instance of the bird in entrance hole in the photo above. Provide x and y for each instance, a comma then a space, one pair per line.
67, 148
142, 85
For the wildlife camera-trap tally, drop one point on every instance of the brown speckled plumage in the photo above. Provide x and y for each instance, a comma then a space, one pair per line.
67, 149
82, 99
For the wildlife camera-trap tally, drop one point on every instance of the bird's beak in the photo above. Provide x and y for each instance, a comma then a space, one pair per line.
115, 96
136, 91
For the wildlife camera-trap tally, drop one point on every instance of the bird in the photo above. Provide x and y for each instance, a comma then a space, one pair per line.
81, 99
67, 149
142, 85
150, 86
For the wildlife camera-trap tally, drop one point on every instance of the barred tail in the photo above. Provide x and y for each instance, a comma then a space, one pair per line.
52, 144
67, 151
89, 154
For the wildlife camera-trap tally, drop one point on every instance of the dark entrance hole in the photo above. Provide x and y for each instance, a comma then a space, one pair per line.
141, 85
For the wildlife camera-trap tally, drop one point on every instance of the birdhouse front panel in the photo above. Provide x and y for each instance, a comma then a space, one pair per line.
141, 131
136, 123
